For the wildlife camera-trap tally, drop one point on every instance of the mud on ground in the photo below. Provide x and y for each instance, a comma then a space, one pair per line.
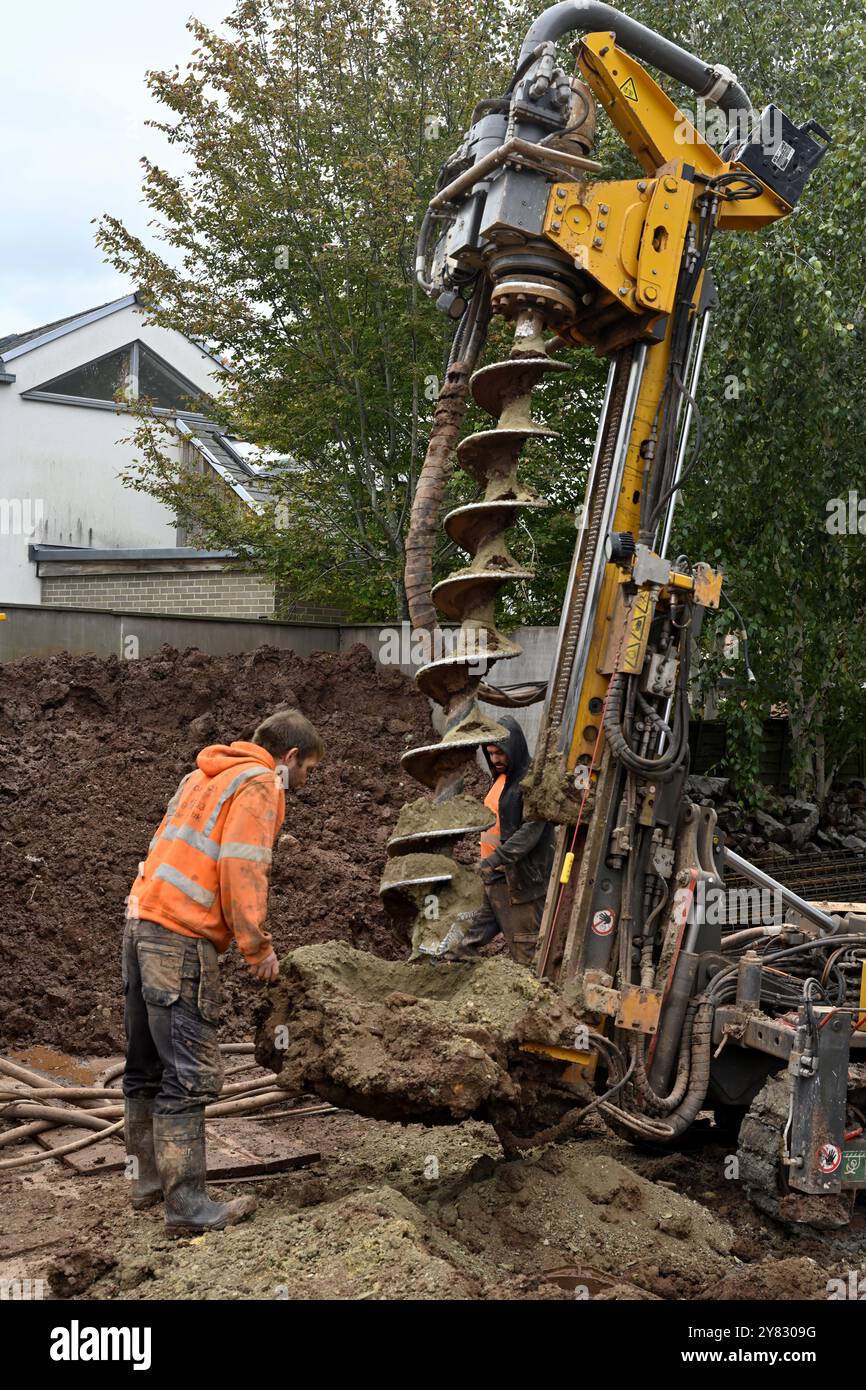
394, 1212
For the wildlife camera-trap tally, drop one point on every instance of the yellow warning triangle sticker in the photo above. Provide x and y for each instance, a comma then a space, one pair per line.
629, 90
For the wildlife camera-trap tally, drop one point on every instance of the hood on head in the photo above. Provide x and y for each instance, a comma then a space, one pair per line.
514, 747
219, 757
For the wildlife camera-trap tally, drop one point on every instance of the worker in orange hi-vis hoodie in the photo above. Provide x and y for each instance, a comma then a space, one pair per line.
203, 884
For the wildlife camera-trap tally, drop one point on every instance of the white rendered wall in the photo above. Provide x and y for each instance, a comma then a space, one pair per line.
60, 464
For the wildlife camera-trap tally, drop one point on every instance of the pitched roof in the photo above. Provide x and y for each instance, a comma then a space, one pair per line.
14, 344
14, 340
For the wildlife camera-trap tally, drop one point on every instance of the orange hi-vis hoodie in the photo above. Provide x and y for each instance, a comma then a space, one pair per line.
491, 839
206, 872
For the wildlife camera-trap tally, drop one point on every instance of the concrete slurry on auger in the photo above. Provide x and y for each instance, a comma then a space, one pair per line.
430, 1042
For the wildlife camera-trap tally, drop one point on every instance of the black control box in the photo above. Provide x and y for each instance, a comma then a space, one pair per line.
782, 154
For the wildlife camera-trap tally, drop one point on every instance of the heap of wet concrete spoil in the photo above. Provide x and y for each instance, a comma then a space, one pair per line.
429, 1042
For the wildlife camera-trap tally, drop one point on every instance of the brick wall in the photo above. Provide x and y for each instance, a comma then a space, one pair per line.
212, 594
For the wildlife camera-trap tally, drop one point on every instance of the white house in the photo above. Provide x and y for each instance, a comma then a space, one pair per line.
70, 533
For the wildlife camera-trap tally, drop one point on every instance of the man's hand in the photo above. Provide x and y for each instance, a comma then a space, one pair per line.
487, 872
267, 970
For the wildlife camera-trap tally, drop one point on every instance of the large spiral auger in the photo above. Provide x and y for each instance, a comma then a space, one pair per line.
421, 870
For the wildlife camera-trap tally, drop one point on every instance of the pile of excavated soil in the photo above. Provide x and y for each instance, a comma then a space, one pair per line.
795, 1279
427, 1041
423, 1231
91, 751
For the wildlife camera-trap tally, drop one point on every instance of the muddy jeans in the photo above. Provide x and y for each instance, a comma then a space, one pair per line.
171, 1011
518, 922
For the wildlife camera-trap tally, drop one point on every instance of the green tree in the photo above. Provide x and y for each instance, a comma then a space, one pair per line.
311, 136
783, 394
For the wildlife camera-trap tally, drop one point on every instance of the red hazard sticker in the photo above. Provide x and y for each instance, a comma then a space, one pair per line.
829, 1158
602, 922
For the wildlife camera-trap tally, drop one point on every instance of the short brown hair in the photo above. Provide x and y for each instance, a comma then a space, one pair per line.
288, 728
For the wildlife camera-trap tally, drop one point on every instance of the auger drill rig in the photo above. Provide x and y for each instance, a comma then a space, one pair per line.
684, 1011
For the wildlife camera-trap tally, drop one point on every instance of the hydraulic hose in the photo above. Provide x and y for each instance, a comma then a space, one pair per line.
666, 1104
708, 80
662, 768
693, 1077
699, 1075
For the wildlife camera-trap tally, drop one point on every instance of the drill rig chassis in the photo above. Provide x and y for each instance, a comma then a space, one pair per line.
684, 1009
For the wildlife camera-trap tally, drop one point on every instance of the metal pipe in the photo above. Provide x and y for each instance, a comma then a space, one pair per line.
708, 80
512, 149
574, 161
808, 910
599, 559
577, 556
684, 437
667, 527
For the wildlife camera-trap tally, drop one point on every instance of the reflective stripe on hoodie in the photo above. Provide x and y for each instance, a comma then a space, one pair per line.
206, 873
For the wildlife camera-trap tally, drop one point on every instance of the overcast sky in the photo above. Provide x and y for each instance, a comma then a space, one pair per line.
74, 107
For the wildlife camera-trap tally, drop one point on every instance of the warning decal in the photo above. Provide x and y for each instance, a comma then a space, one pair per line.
629, 90
829, 1158
603, 922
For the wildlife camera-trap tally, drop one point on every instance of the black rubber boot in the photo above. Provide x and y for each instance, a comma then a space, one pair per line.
138, 1129
180, 1158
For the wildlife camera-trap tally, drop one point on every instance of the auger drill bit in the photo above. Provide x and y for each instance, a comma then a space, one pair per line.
421, 868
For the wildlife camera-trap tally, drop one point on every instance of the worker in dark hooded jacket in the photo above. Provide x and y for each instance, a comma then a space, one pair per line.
516, 856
